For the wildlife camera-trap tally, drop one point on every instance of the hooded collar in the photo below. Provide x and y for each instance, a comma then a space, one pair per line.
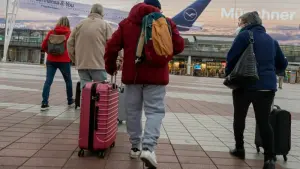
95, 15
254, 27
60, 30
140, 10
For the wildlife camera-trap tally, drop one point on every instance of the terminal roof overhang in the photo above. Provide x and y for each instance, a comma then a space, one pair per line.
209, 39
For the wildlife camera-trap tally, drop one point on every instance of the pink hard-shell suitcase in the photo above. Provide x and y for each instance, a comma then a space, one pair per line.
98, 117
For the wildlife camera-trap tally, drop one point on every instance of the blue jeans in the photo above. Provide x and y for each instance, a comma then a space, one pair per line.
151, 99
65, 69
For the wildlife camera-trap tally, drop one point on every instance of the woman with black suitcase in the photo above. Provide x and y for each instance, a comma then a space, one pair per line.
269, 59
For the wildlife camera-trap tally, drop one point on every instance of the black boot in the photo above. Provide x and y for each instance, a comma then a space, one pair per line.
269, 164
240, 153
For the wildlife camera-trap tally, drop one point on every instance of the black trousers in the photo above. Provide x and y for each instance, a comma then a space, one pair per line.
262, 102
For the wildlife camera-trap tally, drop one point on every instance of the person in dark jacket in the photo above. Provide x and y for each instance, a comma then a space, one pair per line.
63, 63
145, 83
270, 60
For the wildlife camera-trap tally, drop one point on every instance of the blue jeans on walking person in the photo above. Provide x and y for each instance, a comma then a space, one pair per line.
65, 69
151, 99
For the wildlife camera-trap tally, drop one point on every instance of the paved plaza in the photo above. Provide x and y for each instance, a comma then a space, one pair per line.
196, 134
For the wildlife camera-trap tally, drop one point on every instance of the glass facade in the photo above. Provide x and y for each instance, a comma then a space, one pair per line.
25, 45
223, 44
28, 37
208, 56
205, 67
208, 53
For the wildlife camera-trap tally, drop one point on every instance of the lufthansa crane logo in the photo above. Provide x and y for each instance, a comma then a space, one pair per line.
190, 14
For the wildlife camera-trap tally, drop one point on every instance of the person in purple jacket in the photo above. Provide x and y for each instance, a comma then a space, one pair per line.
270, 60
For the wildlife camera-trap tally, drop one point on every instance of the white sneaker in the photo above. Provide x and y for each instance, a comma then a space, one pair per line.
135, 153
149, 158
72, 105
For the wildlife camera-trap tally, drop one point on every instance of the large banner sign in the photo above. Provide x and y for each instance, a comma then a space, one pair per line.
206, 17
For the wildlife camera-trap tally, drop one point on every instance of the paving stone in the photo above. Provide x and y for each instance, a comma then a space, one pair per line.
229, 162
165, 152
17, 152
169, 166
187, 153
4, 144
166, 159
120, 157
85, 164
12, 134
60, 147
53, 154
215, 154
195, 160
14, 129
9, 167
45, 162
12, 161
187, 147
64, 141
233, 167
198, 166
124, 165
26, 146
33, 140
23, 167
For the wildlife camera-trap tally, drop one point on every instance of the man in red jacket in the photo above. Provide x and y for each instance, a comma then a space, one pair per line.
145, 83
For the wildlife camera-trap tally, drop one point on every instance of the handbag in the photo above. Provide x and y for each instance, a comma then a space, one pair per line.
245, 71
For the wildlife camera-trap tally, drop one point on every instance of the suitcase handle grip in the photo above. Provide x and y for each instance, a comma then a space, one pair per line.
277, 107
96, 118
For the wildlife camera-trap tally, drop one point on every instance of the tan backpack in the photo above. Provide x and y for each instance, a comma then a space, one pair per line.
155, 43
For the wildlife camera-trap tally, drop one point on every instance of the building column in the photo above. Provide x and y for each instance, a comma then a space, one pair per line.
12, 7
189, 64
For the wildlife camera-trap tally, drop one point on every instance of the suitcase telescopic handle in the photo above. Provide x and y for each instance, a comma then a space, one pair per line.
113, 80
96, 118
277, 107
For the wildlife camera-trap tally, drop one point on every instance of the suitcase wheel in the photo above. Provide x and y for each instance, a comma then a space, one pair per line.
285, 158
81, 153
113, 145
101, 154
120, 121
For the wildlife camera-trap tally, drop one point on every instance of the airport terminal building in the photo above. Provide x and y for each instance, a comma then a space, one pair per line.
208, 28
204, 55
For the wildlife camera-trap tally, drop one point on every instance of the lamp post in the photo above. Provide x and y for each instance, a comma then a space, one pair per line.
9, 24
5, 32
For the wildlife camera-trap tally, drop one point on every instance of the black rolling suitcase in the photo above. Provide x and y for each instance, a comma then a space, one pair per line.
281, 123
78, 95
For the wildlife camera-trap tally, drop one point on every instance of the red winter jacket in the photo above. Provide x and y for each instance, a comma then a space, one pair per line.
127, 37
60, 30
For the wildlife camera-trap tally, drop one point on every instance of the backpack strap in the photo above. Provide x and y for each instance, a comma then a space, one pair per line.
169, 26
251, 37
141, 42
